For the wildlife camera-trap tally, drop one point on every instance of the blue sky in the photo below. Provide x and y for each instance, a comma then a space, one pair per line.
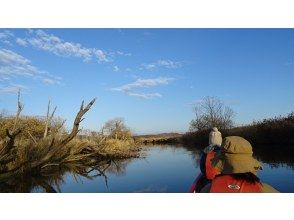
150, 77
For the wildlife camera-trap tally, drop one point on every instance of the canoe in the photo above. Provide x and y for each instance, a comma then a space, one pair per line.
195, 184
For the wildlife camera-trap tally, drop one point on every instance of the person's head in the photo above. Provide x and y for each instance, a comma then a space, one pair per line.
236, 157
215, 137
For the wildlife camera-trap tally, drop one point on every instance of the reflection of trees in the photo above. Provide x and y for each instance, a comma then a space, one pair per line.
51, 179
118, 167
275, 156
195, 154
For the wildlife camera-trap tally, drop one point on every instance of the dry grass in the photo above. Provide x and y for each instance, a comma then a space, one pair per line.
30, 157
165, 138
32, 146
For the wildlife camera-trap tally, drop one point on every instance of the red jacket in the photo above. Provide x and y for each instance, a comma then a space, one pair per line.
228, 184
210, 171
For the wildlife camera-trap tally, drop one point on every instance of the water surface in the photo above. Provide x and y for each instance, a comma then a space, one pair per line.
165, 168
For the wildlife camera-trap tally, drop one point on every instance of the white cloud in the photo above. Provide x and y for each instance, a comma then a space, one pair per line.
12, 88
123, 53
5, 37
149, 66
21, 42
100, 55
6, 34
48, 81
162, 63
130, 88
13, 65
53, 44
168, 63
115, 69
42, 40
145, 95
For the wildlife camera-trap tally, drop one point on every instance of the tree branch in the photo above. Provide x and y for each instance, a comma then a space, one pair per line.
77, 122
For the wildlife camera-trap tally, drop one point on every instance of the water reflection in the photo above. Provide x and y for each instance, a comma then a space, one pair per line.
163, 168
50, 180
275, 156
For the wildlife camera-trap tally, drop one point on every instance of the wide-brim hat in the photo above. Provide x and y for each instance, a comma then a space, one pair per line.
235, 157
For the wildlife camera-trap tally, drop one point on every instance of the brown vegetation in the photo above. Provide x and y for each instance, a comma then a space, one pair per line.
165, 138
275, 131
34, 146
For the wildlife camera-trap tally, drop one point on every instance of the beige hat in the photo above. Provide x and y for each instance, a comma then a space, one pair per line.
215, 137
235, 157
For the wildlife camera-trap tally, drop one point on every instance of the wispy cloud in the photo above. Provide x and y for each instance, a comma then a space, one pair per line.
13, 65
115, 69
123, 53
144, 95
130, 88
162, 63
21, 42
5, 37
53, 44
12, 88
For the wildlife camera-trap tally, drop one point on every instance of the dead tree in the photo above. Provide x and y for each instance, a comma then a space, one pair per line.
7, 154
20, 107
67, 139
11, 135
48, 119
79, 118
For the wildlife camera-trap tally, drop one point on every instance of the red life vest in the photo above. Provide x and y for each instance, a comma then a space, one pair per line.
228, 184
210, 171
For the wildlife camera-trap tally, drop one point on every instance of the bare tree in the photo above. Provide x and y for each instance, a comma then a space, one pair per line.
16, 130
48, 119
78, 119
56, 148
61, 143
117, 129
211, 112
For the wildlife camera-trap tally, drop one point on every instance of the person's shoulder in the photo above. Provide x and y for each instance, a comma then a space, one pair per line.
207, 149
266, 188
216, 148
210, 148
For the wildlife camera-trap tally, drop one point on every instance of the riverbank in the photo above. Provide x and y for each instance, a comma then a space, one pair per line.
164, 138
276, 131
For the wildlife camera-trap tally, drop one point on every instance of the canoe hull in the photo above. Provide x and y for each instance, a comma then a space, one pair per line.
195, 184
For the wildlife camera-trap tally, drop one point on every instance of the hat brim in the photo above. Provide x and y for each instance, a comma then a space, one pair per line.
235, 163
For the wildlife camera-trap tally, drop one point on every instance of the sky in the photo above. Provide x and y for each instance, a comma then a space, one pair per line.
150, 77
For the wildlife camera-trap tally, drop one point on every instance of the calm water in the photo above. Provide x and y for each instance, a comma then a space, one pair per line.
163, 169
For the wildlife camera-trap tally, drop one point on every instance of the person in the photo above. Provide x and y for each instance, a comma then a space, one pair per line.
215, 140
207, 170
237, 169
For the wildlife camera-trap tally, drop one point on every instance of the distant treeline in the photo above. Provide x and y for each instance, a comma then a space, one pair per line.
163, 138
274, 131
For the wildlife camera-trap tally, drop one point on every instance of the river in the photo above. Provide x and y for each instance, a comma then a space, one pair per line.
164, 168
